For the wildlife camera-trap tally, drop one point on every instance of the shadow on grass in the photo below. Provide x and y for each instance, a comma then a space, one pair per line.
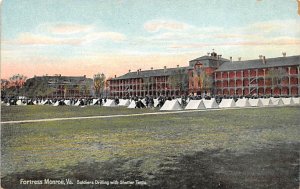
273, 167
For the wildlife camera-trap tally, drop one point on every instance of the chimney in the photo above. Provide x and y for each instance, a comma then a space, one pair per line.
165, 68
260, 57
264, 60
138, 72
231, 59
151, 68
115, 76
177, 66
240, 58
284, 54
129, 70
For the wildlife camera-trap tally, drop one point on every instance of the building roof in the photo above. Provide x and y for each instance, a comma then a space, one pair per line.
258, 63
149, 73
209, 58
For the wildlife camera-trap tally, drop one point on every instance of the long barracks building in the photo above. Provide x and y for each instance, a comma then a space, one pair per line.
214, 75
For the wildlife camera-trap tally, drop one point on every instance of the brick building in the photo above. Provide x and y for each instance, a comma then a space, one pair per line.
272, 77
214, 75
168, 81
59, 86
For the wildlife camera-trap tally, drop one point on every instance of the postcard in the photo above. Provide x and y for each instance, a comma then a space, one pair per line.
150, 94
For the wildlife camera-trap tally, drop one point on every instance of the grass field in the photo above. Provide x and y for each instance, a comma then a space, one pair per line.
14, 113
245, 148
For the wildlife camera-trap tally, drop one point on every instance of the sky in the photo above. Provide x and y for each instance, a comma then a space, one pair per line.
76, 38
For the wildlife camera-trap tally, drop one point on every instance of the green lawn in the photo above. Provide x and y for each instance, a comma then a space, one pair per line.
248, 148
10, 113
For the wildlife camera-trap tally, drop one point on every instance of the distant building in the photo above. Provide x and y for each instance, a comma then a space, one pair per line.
272, 77
169, 81
58, 86
214, 75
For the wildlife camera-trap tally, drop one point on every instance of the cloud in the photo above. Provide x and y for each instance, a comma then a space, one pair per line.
113, 36
48, 40
36, 39
68, 28
281, 41
158, 25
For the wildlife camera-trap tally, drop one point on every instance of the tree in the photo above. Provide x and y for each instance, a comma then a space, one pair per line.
17, 81
179, 80
4, 87
99, 83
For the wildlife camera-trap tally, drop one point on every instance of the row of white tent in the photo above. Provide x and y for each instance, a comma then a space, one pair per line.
192, 104
230, 103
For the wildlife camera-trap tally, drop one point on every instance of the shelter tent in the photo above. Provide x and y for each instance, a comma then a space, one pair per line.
296, 100
288, 101
211, 104
171, 105
255, 102
95, 102
266, 101
67, 102
59, 103
124, 102
110, 103
46, 102
277, 101
179, 100
79, 103
29, 102
19, 102
195, 104
132, 104
244, 102
156, 102
227, 103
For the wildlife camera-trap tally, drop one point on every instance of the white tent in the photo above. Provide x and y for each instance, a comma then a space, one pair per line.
19, 102
132, 104
95, 101
110, 103
255, 102
56, 103
195, 104
227, 103
124, 102
296, 100
277, 101
266, 101
171, 105
144, 100
46, 102
77, 103
67, 102
156, 102
179, 100
211, 104
244, 102
288, 101
29, 102
41, 102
